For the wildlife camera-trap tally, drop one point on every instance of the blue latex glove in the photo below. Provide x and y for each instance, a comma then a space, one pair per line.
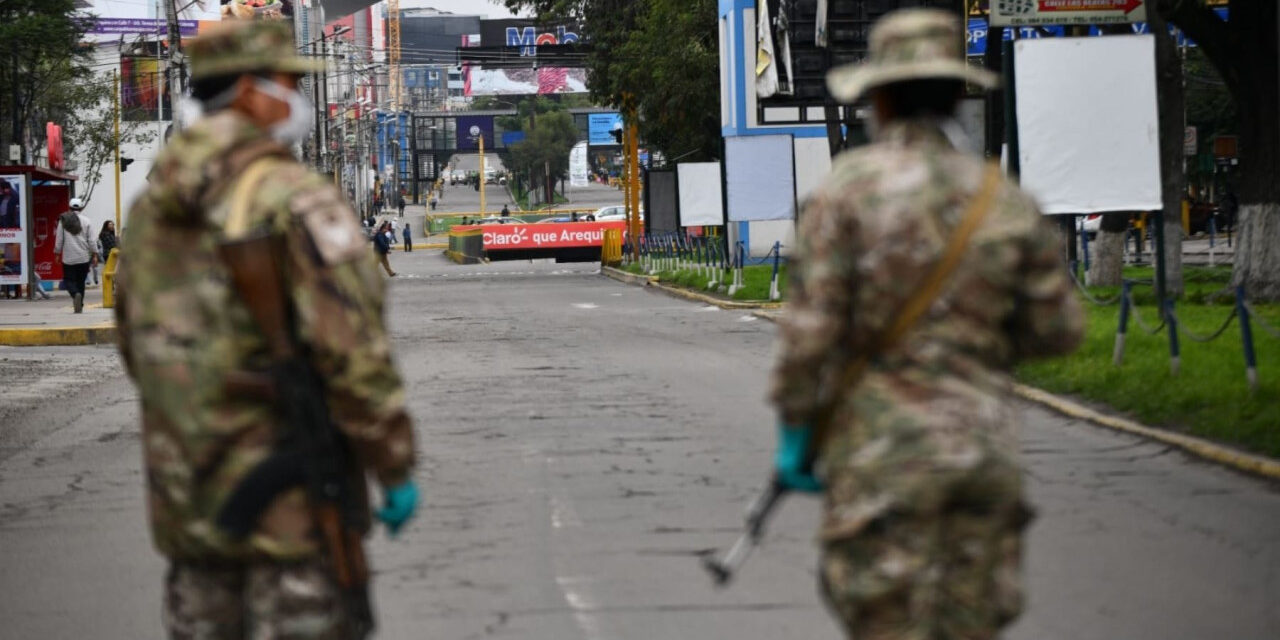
793, 461
401, 502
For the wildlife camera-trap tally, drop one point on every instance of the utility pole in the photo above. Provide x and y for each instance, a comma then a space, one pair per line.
115, 112
176, 74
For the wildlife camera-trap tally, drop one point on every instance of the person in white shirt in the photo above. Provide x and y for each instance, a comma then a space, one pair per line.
75, 245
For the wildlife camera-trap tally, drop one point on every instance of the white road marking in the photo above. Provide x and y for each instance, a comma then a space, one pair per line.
586, 305
579, 599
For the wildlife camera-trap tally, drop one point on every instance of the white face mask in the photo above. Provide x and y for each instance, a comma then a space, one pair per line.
294, 129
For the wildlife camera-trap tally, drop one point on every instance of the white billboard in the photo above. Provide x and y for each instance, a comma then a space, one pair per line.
701, 195
760, 174
1088, 126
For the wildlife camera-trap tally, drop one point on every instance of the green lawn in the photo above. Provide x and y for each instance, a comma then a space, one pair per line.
756, 279
1209, 397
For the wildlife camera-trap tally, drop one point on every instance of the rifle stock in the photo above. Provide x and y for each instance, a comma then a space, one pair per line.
311, 449
255, 275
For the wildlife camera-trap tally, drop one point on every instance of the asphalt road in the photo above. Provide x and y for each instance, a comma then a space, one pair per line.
582, 443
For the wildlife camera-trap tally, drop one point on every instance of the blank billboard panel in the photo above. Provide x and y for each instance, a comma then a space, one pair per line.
701, 201
760, 172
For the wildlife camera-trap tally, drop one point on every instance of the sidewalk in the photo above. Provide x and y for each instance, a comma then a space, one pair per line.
52, 322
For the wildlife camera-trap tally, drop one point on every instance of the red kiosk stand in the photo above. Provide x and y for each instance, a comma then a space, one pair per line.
42, 195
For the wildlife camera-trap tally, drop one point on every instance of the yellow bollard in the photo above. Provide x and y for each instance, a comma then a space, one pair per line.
611, 250
109, 280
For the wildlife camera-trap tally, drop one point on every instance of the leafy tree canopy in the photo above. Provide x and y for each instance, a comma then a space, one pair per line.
660, 56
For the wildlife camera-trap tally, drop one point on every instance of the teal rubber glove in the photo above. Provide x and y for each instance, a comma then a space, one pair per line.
793, 461
401, 502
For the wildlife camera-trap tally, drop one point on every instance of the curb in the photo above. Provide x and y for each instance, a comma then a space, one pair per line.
1212, 451
58, 337
427, 246
677, 292
1205, 449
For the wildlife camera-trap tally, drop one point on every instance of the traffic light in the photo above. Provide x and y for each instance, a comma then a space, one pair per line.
124, 163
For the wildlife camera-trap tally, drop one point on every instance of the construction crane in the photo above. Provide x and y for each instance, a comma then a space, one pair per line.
393, 52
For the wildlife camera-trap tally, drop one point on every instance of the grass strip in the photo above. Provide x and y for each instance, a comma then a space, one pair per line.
1209, 397
755, 278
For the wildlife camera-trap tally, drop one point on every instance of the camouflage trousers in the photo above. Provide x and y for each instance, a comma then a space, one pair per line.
949, 576
258, 601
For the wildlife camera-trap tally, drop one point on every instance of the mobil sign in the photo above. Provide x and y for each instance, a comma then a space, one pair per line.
528, 38
567, 235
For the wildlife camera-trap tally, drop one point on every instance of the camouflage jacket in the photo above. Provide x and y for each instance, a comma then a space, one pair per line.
184, 332
866, 240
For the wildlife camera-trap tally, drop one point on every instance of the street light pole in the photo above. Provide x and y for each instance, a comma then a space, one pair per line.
482, 208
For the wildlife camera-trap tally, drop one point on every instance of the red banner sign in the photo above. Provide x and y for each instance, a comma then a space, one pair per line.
564, 235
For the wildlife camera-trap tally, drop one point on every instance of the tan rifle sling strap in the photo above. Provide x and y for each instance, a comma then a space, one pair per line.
925, 295
237, 224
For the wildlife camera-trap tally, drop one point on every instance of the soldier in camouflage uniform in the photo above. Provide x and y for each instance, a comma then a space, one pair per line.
923, 511
185, 334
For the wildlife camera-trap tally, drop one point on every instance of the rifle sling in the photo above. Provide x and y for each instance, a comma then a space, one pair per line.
237, 224
925, 294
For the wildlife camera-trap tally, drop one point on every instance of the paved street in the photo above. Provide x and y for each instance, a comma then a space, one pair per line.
582, 442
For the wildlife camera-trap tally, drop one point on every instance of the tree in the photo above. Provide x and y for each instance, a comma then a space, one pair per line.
40, 54
544, 152
89, 133
1171, 101
1245, 51
660, 56
48, 76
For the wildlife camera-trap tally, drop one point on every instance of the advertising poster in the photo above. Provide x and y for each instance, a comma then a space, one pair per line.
508, 82
115, 18
13, 230
470, 130
546, 236
600, 127
579, 172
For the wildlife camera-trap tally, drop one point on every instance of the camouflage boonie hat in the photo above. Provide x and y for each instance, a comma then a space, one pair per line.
248, 46
911, 44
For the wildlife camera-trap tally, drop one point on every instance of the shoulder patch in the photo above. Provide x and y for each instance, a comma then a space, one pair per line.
330, 223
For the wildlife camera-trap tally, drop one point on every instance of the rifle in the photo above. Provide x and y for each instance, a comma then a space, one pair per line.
311, 451
723, 569
911, 310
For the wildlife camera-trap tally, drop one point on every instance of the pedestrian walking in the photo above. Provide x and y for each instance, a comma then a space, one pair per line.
408, 237
251, 323
433, 201
920, 276
382, 246
78, 250
106, 242
506, 211
400, 203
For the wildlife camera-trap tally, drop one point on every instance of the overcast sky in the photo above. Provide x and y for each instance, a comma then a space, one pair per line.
484, 8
